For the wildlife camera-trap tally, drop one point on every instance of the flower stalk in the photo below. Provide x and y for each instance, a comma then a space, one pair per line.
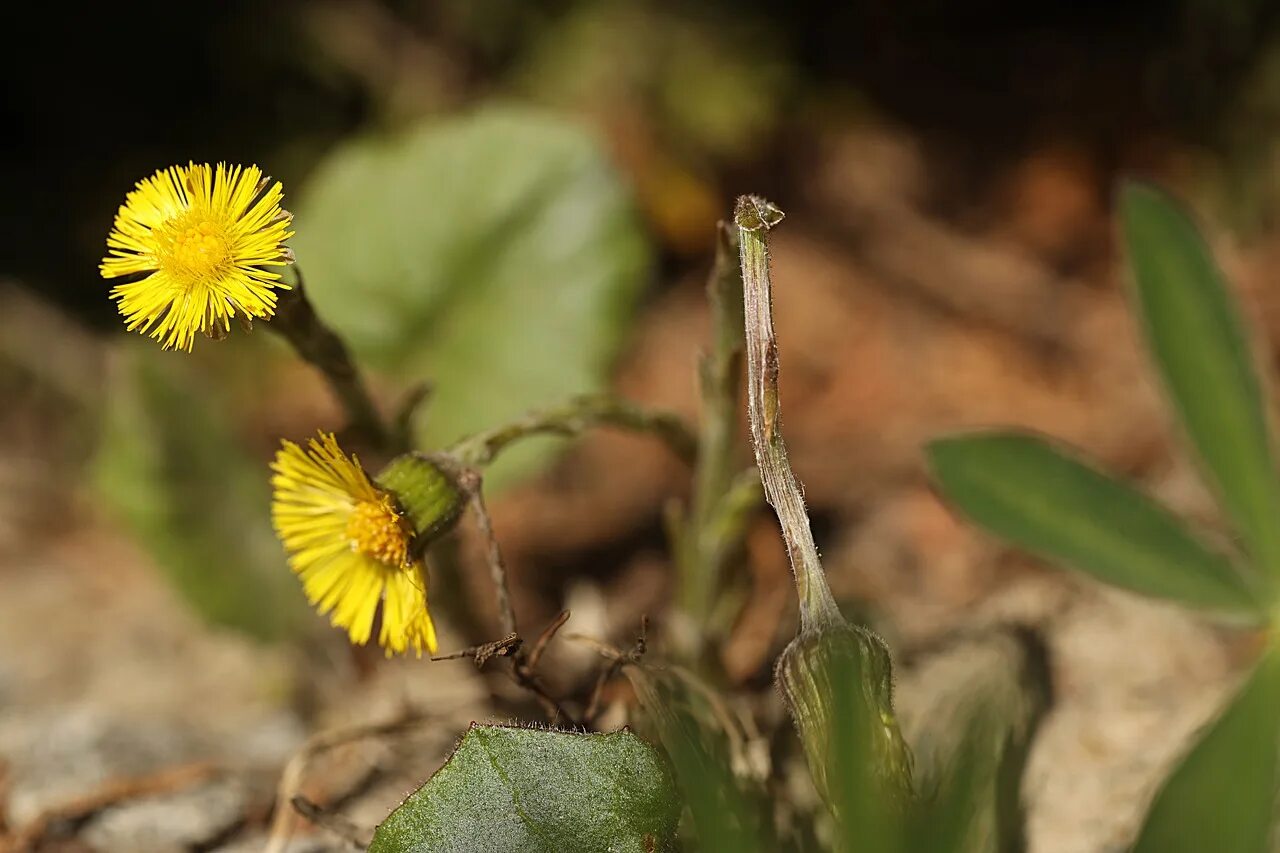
754, 217
298, 323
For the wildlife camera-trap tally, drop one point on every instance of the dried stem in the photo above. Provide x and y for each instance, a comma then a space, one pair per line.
617, 661
284, 821
77, 811
315, 343
754, 217
471, 482
357, 836
540, 645
573, 418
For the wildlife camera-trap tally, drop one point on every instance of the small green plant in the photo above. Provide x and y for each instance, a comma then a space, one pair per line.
1046, 499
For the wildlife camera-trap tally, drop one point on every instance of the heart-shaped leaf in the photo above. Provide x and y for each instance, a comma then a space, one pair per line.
524, 790
495, 254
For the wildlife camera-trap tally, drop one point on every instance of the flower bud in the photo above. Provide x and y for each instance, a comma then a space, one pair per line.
837, 682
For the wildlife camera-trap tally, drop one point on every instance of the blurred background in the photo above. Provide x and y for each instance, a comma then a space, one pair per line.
517, 202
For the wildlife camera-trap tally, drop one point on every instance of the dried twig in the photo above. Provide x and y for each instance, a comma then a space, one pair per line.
77, 811
484, 652
617, 660
357, 836
284, 821
540, 646
754, 217
471, 481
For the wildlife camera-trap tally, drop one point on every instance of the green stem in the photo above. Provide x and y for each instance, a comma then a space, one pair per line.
572, 419
707, 540
754, 217
297, 322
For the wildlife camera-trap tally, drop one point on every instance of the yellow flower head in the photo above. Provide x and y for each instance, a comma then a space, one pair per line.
204, 238
350, 542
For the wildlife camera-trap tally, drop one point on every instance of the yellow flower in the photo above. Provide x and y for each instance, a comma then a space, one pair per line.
351, 544
204, 239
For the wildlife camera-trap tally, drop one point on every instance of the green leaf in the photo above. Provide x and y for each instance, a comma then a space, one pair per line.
1222, 796
496, 254
1195, 334
1041, 498
170, 468
516, 790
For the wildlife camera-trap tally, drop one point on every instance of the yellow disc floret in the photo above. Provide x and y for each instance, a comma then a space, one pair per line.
199, 243
378, 530
192, 253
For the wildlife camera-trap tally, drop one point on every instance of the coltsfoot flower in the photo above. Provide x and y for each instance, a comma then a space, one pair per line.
352, 544
203, 240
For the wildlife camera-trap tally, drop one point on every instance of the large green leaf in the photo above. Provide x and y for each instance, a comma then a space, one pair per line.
170, 468
517, 790
1196, 336
1223, 794
495, 254
1041, 498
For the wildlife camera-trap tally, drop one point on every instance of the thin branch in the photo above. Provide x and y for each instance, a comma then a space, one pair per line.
284, 821
617, 661
357, 836
484, 652
540, 646
573, 418
754, 217
298, 323
80, 809
472, 482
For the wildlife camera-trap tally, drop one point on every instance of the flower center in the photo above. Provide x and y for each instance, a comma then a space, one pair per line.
377, 530
196, 250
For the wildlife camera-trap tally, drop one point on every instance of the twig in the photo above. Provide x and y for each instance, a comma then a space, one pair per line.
80, 809
754, 217
540, 646
617, 661
484, 652
284, 821
315, 343
472, 482
357, 836
573, 418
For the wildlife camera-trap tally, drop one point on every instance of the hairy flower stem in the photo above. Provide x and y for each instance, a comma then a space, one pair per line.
754, 217
315, 343
573, 418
